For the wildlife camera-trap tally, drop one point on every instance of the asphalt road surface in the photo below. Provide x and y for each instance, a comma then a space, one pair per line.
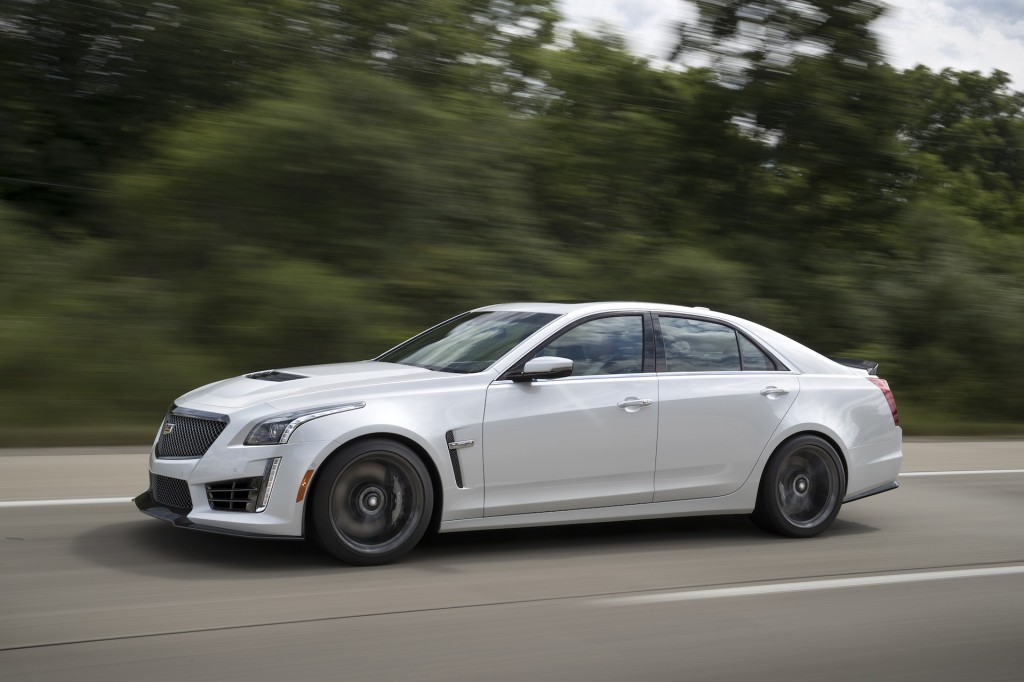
922, 583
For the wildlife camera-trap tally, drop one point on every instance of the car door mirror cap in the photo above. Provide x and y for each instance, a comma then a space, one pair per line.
547, 367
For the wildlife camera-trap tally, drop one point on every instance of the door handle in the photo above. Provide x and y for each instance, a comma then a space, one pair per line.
635, 403
773, 390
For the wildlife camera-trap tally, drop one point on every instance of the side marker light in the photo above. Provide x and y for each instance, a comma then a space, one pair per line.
303, 485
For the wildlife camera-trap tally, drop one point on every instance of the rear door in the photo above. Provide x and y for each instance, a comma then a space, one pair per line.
721, 397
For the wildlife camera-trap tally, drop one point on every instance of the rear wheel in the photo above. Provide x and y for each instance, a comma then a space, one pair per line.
802, 488
372, 503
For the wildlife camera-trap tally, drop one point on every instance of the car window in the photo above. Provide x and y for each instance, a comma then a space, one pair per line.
607, 345
468, 343
754, 359
699, 346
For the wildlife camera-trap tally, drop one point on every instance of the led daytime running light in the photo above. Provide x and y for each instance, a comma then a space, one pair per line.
268, 483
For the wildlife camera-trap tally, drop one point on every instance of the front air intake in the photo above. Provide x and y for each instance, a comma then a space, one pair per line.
171, 493
235, 495
250, 494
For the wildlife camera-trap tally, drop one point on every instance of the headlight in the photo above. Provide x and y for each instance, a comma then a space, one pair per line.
278, 429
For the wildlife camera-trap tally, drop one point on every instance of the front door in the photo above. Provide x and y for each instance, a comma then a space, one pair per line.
587, 440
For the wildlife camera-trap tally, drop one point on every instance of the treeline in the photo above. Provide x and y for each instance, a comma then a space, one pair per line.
194, 189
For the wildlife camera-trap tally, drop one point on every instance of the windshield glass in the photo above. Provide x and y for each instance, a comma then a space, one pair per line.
468, 343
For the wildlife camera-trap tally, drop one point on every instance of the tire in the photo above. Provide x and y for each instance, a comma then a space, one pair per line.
802, 489
372, 503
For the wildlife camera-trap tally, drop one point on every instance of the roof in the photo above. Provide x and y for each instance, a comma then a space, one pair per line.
591, 307
795, 354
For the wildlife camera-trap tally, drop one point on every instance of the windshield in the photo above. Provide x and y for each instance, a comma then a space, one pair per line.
468, 343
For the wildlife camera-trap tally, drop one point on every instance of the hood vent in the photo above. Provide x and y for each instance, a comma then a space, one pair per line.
274, 375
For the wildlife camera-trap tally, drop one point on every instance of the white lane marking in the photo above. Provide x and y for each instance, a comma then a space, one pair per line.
811, 585
964, 472
14, 504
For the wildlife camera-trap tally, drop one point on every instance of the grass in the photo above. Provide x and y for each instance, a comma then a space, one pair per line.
78, 435
918, 421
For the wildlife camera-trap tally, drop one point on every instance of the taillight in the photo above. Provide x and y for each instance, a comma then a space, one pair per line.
887, 392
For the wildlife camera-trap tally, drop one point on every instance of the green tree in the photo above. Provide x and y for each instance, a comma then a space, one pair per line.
86, 83
350, 169
808, 82
974, 124
623, 148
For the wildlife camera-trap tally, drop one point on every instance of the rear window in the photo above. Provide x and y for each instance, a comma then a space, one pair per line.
693, 345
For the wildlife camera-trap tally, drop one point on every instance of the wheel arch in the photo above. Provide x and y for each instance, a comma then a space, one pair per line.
831, 440
428, 462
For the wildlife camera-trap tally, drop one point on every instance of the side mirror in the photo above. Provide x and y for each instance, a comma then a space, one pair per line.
544, 368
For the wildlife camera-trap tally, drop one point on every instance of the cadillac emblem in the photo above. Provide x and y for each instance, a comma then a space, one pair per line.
168, 427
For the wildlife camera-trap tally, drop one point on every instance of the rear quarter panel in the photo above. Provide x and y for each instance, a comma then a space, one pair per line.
854, 414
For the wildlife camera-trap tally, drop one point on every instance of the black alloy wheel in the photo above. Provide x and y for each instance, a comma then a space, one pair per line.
372, 503
802, 488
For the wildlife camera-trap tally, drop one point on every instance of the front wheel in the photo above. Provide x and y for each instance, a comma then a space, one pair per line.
802, 489
372, 503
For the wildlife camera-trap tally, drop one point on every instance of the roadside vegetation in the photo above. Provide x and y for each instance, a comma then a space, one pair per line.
191, 190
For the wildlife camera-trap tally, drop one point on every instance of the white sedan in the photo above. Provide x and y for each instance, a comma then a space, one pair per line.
531, 414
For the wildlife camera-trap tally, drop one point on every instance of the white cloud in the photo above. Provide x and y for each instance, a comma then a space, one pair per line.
648, 25
978, 35
971, 35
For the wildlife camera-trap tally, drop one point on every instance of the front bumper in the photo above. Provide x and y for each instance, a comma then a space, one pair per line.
191, 504
148, 505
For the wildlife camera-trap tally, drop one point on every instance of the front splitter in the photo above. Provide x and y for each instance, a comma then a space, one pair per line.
147, 505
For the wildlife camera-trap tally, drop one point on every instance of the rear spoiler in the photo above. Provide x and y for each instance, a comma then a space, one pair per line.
870, 366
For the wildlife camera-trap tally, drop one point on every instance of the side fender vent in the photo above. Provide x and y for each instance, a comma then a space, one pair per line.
449, 438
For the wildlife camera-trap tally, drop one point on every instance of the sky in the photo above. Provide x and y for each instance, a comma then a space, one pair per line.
971, 35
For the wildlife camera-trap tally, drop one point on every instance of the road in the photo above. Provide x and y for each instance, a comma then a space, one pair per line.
922, 583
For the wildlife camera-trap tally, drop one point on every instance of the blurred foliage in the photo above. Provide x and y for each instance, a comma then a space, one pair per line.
193, 189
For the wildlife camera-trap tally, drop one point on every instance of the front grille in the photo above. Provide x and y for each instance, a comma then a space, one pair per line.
183, 436
171, 492
235, 495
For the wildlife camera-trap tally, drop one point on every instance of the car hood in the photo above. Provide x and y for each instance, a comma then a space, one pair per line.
264, 387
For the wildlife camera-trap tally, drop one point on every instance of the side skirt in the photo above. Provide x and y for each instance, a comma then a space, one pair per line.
729, 504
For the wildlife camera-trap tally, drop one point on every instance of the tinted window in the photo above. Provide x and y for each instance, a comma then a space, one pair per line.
607, 345
468, 343
699, 346
754, 360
